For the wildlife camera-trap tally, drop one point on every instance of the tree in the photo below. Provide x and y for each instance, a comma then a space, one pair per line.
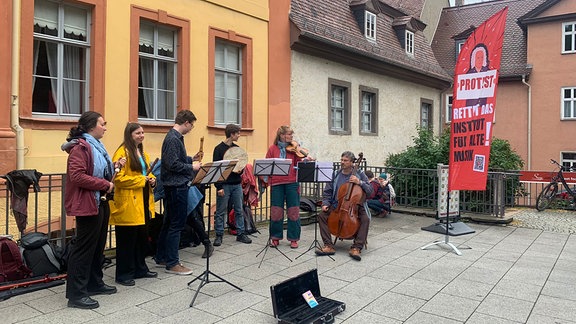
429, 150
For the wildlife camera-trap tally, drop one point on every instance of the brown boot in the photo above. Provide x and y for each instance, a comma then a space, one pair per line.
326, 250
355, 254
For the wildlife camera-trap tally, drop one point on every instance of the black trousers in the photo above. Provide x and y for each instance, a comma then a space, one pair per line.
87, 253
131, 250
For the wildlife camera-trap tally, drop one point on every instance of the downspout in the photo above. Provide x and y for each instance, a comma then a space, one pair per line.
15, 88
529, 142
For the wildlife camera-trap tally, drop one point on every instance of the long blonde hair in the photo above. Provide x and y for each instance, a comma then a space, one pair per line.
281, 131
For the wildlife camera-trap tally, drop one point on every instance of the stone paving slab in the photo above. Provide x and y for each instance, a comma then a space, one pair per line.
521, 272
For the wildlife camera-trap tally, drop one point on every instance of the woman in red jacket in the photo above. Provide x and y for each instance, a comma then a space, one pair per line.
89, 175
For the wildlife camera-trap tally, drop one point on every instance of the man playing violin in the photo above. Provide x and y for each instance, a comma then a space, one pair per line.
330, 202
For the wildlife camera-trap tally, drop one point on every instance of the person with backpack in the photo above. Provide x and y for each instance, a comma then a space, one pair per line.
380, 200
133, 204
89, 179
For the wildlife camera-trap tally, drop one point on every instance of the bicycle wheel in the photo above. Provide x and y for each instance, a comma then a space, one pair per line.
546, 197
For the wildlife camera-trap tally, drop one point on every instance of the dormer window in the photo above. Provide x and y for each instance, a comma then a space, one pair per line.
409, 42
370, 26
459, 45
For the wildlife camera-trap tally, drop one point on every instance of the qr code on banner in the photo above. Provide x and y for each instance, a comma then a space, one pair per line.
479, 162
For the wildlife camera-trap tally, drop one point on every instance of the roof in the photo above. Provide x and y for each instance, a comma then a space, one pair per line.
410, 7
332, 24
455, 21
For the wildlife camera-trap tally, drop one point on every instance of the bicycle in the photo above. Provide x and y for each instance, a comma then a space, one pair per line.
550, 192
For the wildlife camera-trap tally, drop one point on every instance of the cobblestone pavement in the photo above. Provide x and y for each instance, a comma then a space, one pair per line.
560, 221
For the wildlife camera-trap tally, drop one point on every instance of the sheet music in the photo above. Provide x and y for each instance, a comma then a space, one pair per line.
272, 167
214, 171
325, 170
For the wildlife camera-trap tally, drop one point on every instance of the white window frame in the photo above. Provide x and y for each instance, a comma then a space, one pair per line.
459, 44
157, 60
338, 107
569, 37
568, 103
449, 99
61, 41
368, 108
426, 115
409, 42
230, 109
370, 25
568, 159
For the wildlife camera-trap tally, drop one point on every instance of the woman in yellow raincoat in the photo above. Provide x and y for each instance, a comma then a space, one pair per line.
132, 206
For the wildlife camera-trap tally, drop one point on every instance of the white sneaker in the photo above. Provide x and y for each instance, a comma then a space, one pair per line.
179, 269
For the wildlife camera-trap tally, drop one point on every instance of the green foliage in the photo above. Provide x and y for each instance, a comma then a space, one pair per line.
429, 150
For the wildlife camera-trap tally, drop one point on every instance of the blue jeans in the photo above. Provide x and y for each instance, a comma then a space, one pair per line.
378, 206
174, 221
234, 192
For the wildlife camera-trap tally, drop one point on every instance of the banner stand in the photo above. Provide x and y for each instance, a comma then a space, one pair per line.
450, 226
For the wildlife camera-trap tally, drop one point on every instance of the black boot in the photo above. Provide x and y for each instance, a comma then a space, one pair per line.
218, 240
208, 250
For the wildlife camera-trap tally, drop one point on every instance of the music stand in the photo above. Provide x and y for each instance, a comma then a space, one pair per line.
210, 173
271, 167
315, 172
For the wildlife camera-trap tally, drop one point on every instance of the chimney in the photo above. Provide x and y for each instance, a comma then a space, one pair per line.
459, 3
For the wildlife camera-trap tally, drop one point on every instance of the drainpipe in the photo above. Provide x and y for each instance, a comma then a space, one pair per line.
529, 142
15, 107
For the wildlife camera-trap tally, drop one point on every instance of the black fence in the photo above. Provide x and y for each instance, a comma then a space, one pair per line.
415, 188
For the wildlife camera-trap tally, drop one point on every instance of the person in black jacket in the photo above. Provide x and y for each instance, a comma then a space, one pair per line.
231, 188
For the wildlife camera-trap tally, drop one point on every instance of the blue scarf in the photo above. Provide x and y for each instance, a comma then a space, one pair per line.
282, 146
102, 161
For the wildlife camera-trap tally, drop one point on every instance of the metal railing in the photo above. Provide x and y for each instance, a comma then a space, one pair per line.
415, 188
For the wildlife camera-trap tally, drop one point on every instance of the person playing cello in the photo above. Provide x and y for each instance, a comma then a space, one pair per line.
342, 177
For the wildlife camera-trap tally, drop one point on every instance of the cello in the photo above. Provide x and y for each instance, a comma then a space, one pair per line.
343, 222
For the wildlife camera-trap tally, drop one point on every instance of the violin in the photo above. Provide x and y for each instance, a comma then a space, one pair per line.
295, 148
343, 222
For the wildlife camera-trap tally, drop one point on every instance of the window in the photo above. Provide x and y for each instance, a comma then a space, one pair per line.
368, 111
449, 99
339, 99
227, 84
568, 159
159, 67
409, 45
157, 72
459, 45
569, 37
426, 115
370, 26
569, 103
60, 62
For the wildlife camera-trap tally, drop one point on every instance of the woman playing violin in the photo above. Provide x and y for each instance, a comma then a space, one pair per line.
285, 190
330, 201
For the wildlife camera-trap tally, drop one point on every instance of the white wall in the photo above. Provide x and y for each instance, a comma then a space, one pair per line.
398, 115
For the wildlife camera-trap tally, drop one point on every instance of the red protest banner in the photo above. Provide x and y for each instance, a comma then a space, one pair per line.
474, 100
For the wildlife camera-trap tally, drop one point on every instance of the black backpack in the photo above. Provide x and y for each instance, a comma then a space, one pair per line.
11, 265
40, 255
249, 225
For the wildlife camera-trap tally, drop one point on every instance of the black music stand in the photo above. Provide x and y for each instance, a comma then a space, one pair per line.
271, 167
315, 172
210, 173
